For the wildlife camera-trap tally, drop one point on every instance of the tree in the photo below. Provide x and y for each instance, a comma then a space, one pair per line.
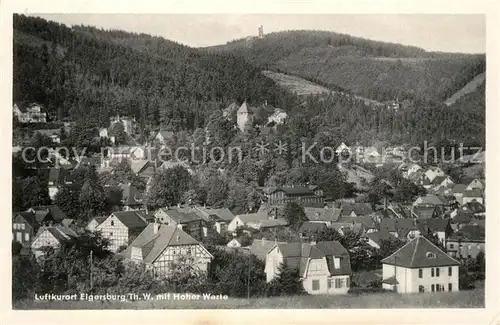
168, 187
287, 283
217, 191
68, 199
23, 280
389, 246
294, 214
118, 131
32, 192
92, 199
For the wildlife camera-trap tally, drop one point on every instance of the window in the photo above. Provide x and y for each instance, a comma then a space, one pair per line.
450, 271
452, 246
420, 273
478, 247
339, 283
27, 237
111, 234
437, 271
22, 226
470, 247
438, 287
347, 282
450, 287
432, 272
330, 283
432, 288
421, 288
315, 285
112, 223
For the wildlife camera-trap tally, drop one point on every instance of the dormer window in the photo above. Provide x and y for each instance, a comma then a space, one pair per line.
430, 255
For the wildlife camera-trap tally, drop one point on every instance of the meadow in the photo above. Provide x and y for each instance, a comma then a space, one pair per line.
463, 299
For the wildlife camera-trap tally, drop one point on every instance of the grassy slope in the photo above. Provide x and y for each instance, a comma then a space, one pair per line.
470, 87
462, 299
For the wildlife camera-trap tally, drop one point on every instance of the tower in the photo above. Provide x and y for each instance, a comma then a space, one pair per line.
261, 31
244, 116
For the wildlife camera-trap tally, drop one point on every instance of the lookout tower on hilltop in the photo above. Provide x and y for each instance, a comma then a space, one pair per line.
244, 116
261, 31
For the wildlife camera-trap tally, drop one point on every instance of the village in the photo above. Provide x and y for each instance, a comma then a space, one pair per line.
375, 239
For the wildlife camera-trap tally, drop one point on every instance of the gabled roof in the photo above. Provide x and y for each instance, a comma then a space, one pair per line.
425, 212
131, 219
44, 211
475, 193
433, 225
430, 199
322, 214
153, 244
223, 214
260, 247
361, 209
130, 195
420, 253
28, 216
138, 165
271, 223
182, 215
474, 207
438, 179
245, 108
396, 225
458, 188
312, 227
366, 221
296, 255
99, 220
252, 217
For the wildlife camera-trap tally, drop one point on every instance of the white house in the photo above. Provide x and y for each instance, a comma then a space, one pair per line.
412, 169
420, 266
475, 195
278, 117
121, 227
475, 184
342, 148
234, 243
92, 225
434, 172
324, 267
160, 247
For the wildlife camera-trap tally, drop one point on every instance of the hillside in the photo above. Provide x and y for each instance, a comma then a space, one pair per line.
83, 71
470, 87
377, 70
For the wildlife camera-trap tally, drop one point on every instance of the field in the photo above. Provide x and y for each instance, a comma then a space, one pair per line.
295, 84
463, 299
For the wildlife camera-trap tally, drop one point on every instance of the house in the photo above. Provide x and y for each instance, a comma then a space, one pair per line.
413, 168
143, 168
434, 172
355, 209
128, 123
474, 195
322, 215
185, 218
256, 221
53, 134
24, 227
161, 246
429, 200
345, 227
260, 247
437, 227
467, 242
426, 212
300, 194
30, 114
277, 118
375, 238
57, 177
366, 221
343, 149
52, 237
324, 267
405, 229
48, 215
244, 116
420, 266
475, 184
219, 218
94, 222
164, 137
121, 227
131, 197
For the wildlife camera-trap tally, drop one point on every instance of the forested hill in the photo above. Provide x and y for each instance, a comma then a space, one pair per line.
377, 70
83, 71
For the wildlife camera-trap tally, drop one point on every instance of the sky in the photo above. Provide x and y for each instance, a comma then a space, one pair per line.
433, 32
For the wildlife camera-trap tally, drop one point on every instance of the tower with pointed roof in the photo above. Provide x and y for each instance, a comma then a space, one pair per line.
244, 116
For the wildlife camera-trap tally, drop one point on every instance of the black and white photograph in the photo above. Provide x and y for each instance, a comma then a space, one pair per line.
248, 161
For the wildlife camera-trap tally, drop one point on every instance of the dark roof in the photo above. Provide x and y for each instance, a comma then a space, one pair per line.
366, 221
419, 253
296, 255
223, 214
271, 223
131, 195
312, 227
28, 216
378, 236
438, 179
459, 188
260, 247
424, 212
153, 244
182, 215
131, 219
431, 199
46, 212
361, 209
474, 207
473, 193
391, 280
295, 190
436, 224
469, 233
393, 225
59, 175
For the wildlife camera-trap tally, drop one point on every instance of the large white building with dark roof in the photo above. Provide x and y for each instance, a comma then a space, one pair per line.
420, 266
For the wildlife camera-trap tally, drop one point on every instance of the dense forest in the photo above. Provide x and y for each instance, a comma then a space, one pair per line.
93, 73
377, 70
101, 73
